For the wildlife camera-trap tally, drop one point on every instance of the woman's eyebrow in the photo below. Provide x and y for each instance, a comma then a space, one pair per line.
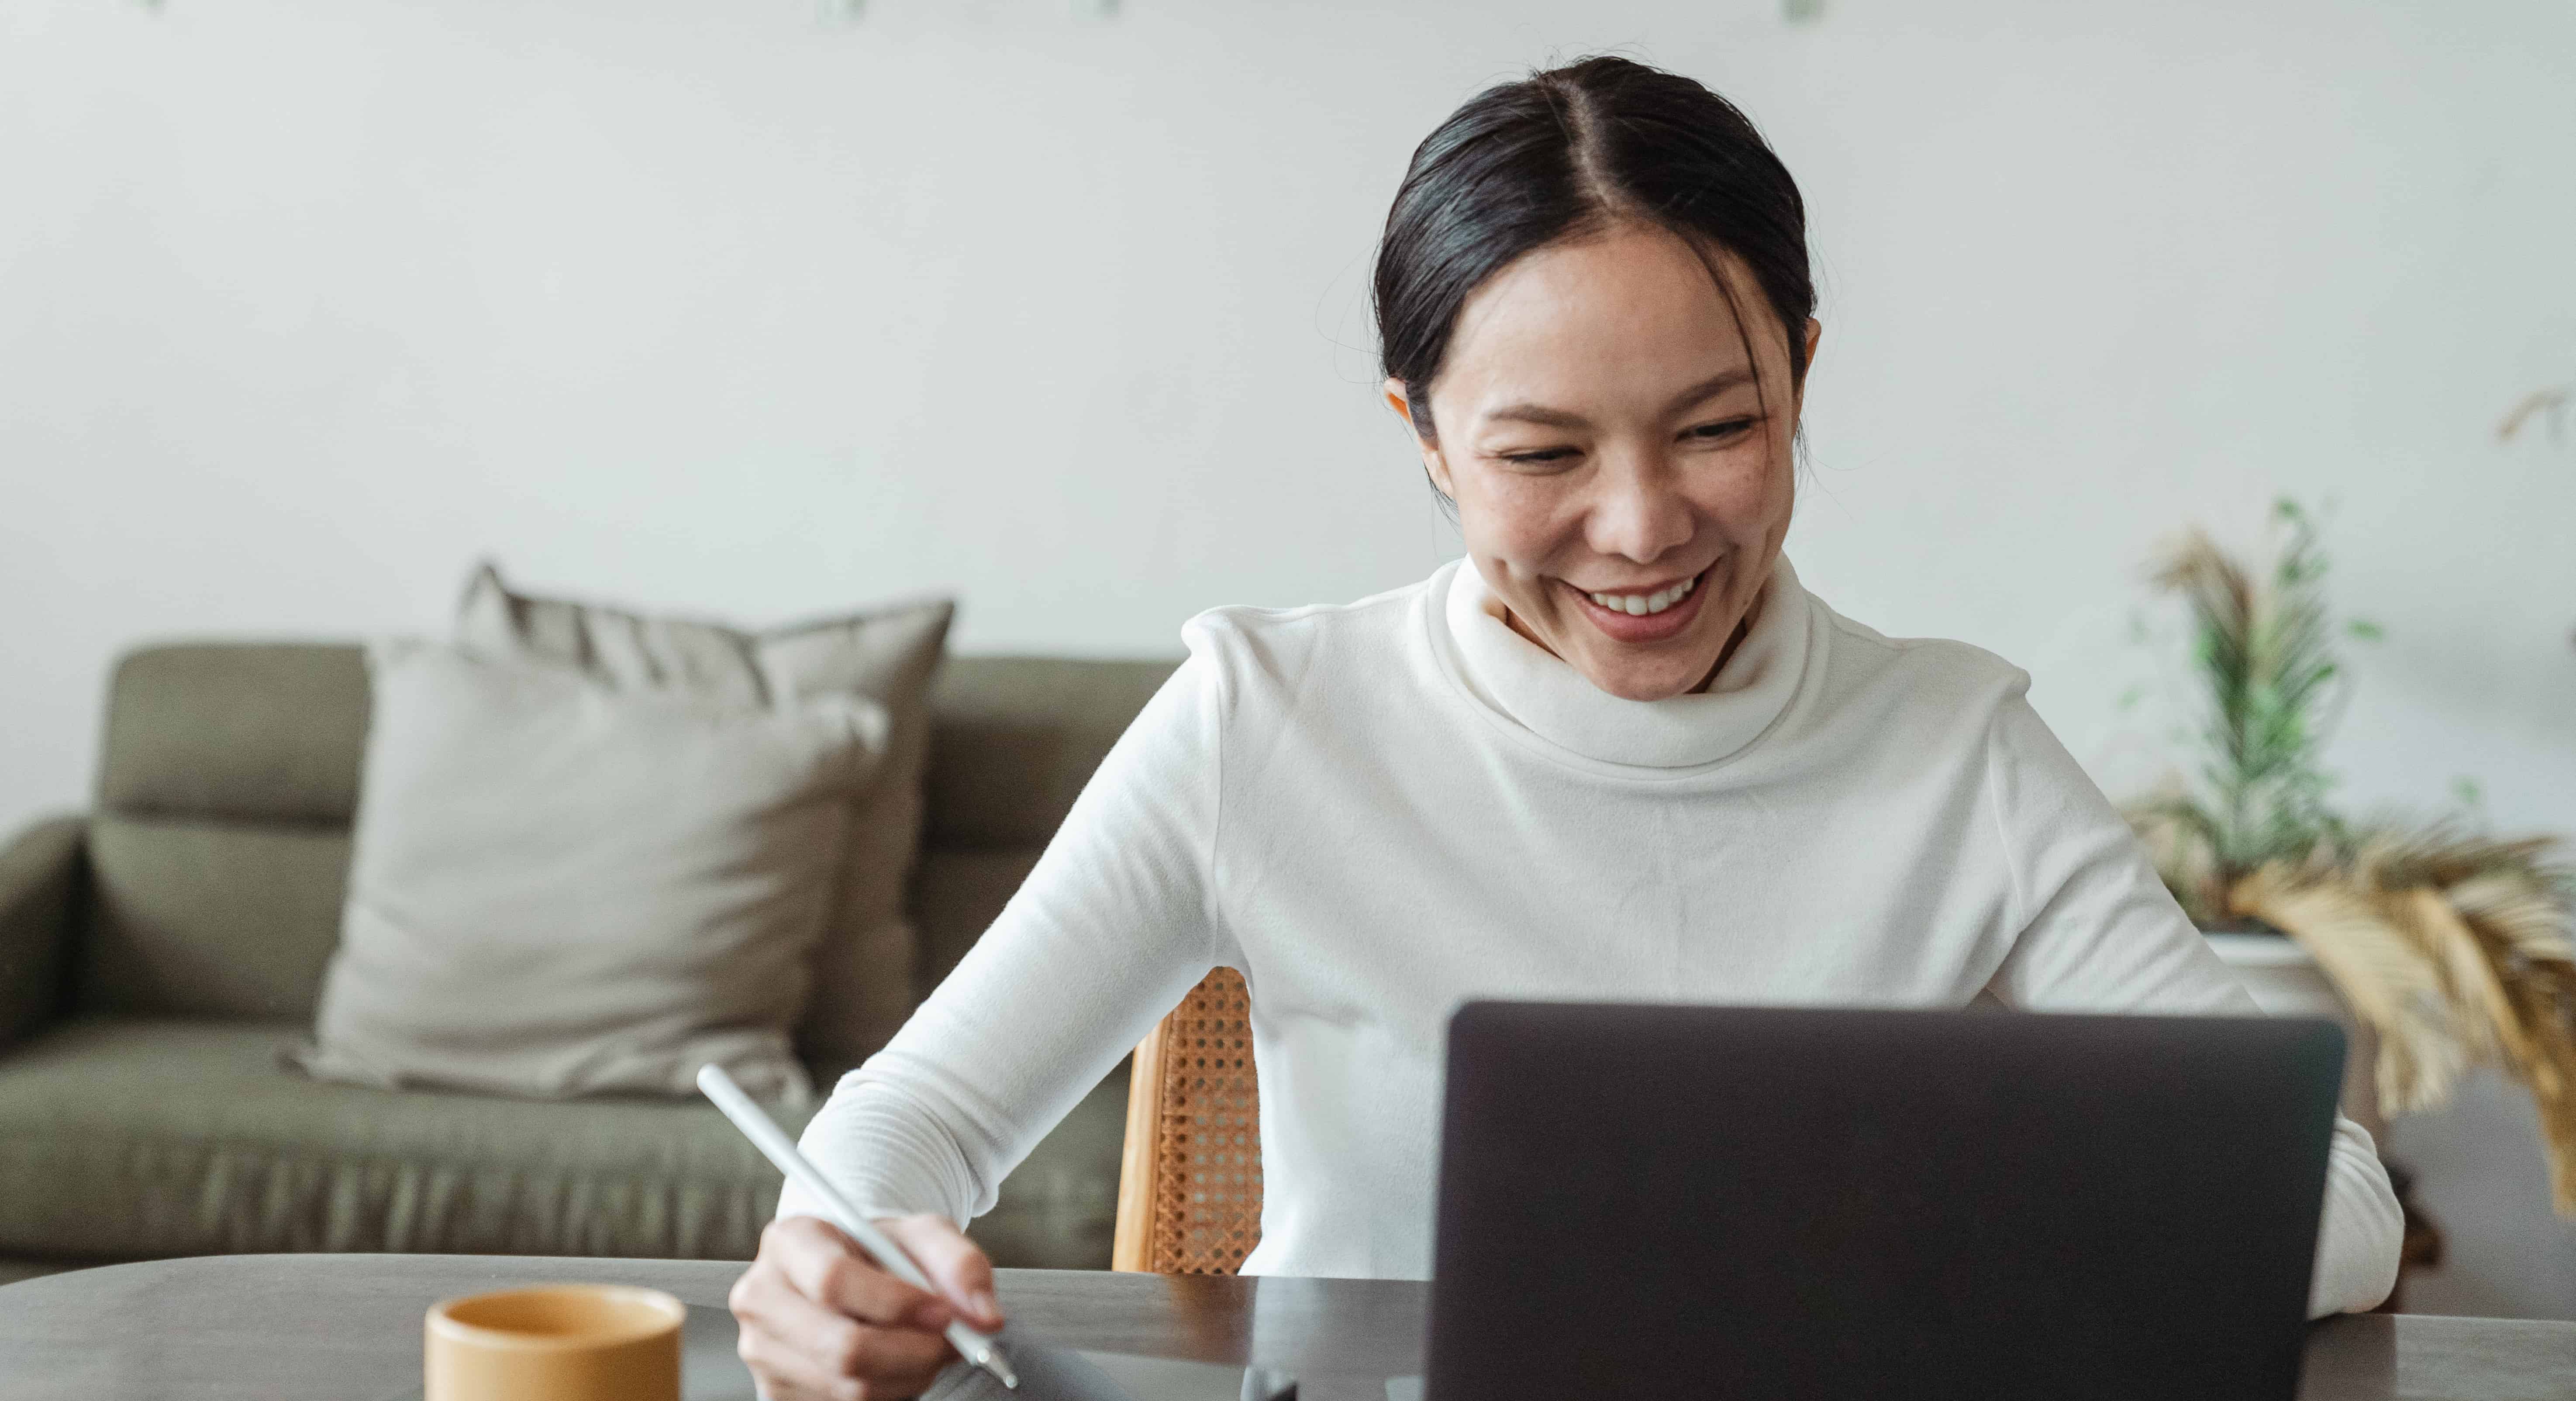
1711, 387
1546, 417
1539, 414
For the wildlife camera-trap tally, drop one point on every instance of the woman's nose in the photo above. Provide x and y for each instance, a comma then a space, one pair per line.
1640, 514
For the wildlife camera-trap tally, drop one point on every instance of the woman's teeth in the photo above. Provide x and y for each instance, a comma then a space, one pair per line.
1638, 605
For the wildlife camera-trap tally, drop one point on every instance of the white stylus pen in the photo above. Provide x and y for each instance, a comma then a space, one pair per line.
979, 1349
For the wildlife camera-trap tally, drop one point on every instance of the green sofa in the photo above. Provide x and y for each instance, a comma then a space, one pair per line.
157, 954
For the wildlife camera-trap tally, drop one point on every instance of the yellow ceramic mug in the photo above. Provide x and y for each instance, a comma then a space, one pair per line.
556, 1342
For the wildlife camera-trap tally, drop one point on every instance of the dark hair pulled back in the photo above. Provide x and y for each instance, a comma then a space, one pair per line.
1569, 152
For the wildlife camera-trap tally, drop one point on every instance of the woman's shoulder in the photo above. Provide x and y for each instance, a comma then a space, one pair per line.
1936, 670
1247, 641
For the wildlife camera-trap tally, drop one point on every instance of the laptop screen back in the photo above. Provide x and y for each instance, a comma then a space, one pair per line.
1785, 1203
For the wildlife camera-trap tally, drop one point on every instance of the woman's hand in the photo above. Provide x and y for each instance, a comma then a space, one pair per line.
820, 1321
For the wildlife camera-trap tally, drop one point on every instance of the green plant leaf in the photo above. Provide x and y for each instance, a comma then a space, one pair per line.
2260, 646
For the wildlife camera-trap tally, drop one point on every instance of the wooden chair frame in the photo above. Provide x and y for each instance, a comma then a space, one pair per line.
1189, 1175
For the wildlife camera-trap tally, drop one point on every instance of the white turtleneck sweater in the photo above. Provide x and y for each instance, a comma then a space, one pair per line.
1381, 810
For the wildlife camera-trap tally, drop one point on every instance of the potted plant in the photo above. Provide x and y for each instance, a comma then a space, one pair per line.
2449, 947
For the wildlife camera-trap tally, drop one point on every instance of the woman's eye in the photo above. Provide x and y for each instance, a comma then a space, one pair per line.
1720, 431
1541, 458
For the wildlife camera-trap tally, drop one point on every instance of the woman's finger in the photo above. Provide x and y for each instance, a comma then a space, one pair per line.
785, 1374
792, 1336
828, 1267
768, 1305
956, 1265
899, 1361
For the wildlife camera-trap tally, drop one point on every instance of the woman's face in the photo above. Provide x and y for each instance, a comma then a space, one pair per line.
1622, 485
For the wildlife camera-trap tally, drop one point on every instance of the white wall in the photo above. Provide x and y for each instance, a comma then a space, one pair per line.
305, 305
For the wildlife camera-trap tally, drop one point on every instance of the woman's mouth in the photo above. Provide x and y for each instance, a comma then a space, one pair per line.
1650, 615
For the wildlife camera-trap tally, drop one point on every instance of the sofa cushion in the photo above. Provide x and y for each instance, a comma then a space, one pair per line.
42, 872
565, 888
209, 916
128, 1138
1017, 737
956, 896
221, 836
267, 731
133, 1138
862, 968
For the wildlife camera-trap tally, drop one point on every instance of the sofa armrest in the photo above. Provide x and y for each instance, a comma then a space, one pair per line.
40, 878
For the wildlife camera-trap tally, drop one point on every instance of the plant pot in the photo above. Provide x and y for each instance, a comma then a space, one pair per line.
2286, 982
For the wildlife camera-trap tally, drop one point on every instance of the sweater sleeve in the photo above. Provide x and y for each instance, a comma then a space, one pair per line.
2099, 932
1113, 925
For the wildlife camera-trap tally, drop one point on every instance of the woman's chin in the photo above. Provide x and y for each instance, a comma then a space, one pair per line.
1643, 678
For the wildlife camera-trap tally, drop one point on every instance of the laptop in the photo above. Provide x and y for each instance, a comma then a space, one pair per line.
1666, 1201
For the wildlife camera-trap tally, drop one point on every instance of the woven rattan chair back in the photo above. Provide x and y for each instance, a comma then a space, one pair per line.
1189, 1181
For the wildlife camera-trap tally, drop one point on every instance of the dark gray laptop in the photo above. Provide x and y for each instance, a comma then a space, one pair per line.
1654, 1201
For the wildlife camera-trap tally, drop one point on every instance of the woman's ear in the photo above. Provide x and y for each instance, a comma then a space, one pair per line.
1815, 334
1432, 464
1394, 391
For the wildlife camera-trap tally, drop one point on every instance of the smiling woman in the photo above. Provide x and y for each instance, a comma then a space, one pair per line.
1612, 452
1618, 753
1564, 284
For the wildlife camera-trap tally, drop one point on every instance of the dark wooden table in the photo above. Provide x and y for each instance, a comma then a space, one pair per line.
347, 1328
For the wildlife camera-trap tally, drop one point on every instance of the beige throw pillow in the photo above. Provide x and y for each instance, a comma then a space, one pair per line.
562, 889
863, 967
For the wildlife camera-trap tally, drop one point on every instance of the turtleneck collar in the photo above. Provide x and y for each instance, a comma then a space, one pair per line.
1528, 689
